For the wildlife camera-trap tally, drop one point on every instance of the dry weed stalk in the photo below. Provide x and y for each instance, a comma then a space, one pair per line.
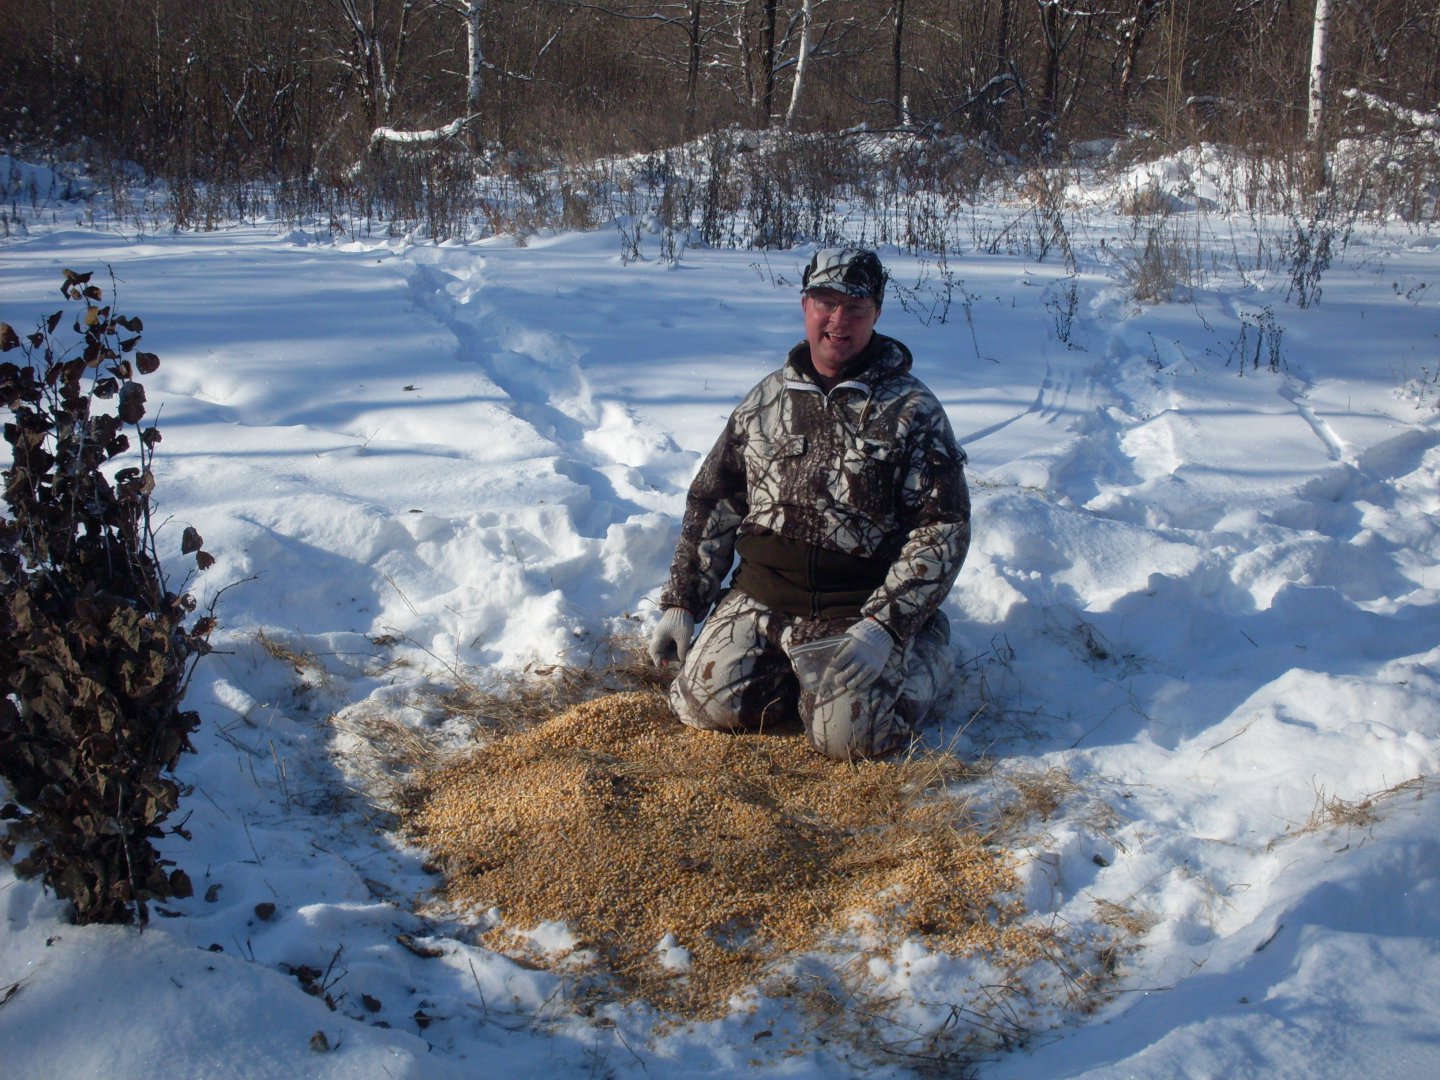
514, 702
1333, 812
1128, 920
312, 674
302, 660
391, 751
1037, 795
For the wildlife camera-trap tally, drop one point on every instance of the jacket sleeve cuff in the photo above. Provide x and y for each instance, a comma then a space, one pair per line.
889, 633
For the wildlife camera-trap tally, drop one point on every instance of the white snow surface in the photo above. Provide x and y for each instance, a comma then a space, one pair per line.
1205, 591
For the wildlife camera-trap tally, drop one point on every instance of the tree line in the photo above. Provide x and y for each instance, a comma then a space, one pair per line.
273, 89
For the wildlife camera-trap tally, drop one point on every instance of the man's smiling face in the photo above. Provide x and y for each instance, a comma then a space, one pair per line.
838, 327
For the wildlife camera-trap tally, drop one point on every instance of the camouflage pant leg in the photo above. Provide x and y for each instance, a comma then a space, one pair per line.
736, 676
880, 718
929, 667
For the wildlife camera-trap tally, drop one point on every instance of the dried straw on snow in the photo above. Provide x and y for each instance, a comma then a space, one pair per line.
618, 821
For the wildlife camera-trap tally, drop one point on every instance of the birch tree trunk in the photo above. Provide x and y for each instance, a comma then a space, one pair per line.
468, 126
897, 43
1319, 61
807, 14
473, 13
768, 104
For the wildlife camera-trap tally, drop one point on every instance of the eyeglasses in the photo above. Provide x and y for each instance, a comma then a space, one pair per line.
854, 309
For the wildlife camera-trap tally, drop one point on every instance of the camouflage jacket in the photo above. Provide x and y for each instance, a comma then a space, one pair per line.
870, 469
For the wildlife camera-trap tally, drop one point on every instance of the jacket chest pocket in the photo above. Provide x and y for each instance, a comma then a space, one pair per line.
771, 463
867, 476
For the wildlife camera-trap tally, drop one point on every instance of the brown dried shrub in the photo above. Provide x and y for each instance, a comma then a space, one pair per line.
95, 652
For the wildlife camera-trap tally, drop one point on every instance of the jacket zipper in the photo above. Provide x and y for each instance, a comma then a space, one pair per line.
812, 562
812, 556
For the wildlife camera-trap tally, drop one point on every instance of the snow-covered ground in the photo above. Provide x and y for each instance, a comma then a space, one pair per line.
1203, 598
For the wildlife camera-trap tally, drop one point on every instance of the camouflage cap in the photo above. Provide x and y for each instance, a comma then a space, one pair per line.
852, 271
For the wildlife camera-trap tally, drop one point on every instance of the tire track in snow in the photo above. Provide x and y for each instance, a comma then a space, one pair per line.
1094, 462
1045, 406
538, 372
1332, 442
550, 527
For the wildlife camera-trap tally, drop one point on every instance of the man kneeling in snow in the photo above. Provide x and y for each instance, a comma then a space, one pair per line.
839, 483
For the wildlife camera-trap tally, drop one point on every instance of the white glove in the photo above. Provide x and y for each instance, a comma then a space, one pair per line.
862, 658
671, 638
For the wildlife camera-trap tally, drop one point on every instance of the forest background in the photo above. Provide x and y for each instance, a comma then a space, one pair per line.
390, 107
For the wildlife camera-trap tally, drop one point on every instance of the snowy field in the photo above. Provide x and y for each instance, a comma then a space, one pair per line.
1203, 598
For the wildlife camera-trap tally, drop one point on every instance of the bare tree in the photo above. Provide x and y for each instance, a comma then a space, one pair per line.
991, 103
1067, 30
365, 56
768, 110
897, 44
245, 88
1133, 31
692, 67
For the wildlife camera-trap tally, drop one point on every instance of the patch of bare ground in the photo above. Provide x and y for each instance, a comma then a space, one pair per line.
626, 826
